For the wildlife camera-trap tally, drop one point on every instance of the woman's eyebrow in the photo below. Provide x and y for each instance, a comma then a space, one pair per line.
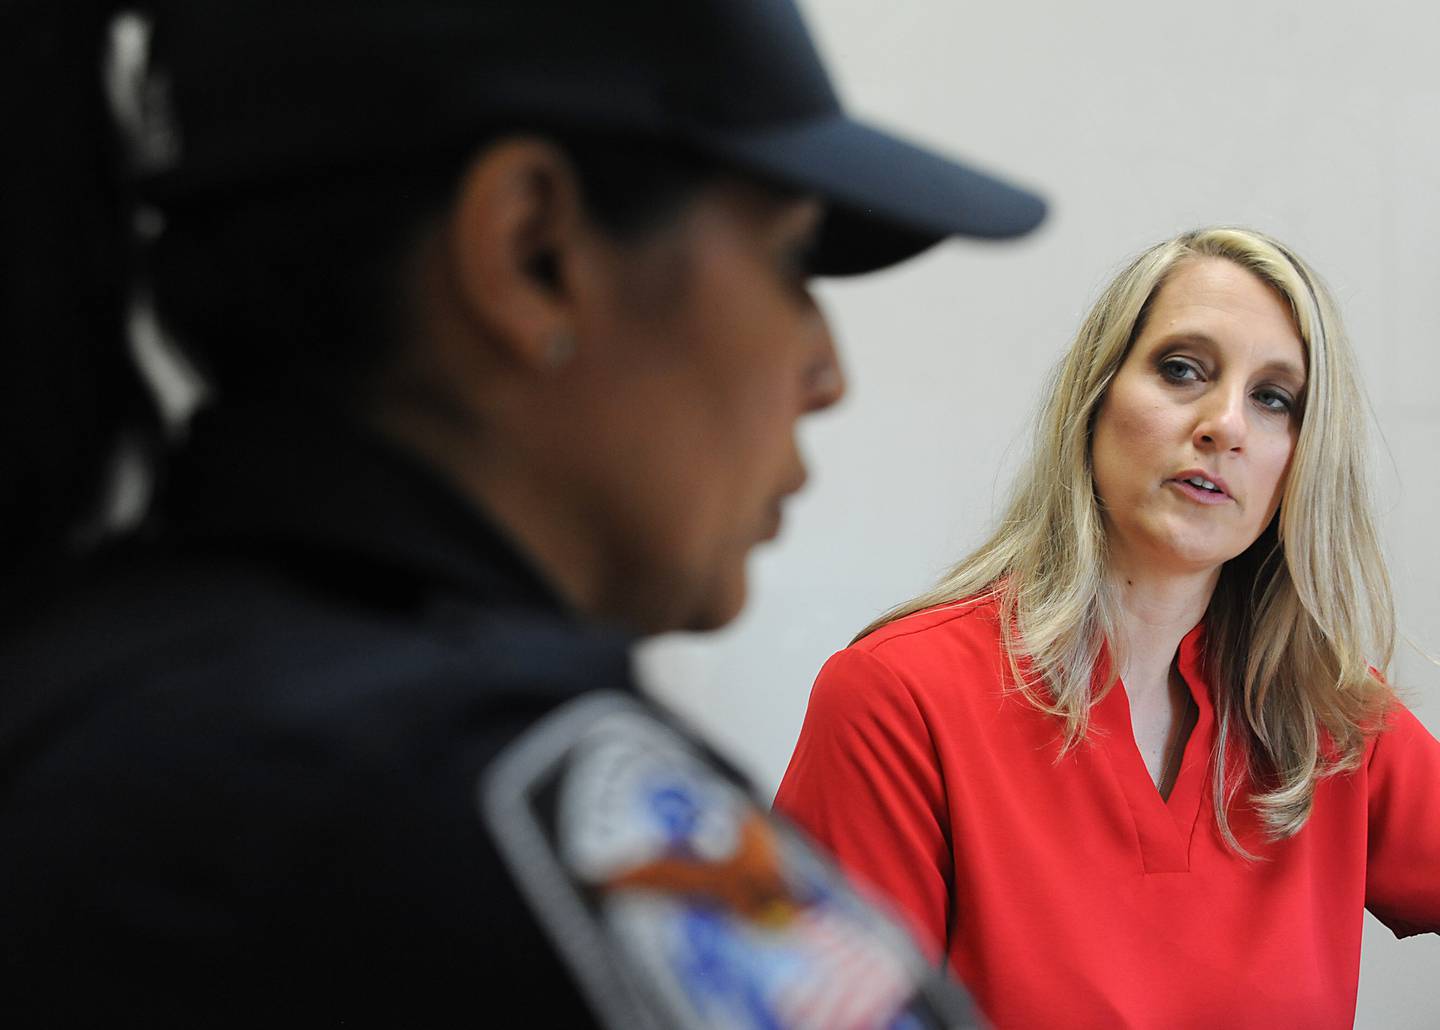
1196, 338
1286, 369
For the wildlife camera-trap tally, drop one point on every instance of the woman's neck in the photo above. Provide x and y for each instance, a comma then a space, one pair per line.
1156, 611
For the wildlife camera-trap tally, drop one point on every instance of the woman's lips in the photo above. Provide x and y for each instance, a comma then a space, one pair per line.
1199, 494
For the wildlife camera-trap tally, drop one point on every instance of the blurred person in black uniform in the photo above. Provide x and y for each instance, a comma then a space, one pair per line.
503, 320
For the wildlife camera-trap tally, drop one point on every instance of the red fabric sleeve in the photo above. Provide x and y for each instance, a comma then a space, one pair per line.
865, 783
1402, 879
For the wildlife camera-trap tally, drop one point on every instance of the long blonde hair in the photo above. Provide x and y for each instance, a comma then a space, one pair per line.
1298, 625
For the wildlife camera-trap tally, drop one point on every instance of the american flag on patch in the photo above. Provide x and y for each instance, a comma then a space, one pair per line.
847, 978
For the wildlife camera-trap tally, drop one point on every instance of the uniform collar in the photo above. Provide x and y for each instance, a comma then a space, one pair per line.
320, 484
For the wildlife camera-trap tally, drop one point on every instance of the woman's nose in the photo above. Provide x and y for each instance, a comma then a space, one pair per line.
1221, 425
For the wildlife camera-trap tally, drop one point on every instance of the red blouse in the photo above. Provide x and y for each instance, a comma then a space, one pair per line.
1066, 891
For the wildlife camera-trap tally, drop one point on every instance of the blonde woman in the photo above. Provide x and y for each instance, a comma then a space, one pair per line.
1134, 762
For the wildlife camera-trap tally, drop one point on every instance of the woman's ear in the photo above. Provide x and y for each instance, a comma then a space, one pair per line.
515, 232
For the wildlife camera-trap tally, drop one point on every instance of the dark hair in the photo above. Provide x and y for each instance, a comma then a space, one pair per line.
291, 288
295, 289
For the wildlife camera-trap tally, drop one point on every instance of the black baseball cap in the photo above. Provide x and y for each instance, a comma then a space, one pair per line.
249, 92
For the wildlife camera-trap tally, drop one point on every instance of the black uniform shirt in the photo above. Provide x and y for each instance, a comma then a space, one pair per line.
238, 760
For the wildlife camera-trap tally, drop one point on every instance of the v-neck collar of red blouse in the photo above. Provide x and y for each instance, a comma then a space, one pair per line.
1164, 828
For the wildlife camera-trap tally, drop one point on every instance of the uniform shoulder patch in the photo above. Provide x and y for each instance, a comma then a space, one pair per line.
678, 901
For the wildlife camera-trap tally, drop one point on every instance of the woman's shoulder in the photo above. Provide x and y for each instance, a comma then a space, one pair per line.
974, 620
1400, 736
932, 644
928, 668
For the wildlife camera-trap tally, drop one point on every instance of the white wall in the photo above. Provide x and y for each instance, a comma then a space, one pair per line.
1316, 122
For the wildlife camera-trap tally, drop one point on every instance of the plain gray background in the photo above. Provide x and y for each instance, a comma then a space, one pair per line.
1319, 123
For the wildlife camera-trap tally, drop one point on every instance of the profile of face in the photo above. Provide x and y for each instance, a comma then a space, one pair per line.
639, 462
704, 348
1192, 443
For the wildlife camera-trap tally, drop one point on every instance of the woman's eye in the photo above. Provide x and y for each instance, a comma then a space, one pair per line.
1178, 370
1274, 400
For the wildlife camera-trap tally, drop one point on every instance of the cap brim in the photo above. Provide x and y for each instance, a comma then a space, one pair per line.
889, 199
